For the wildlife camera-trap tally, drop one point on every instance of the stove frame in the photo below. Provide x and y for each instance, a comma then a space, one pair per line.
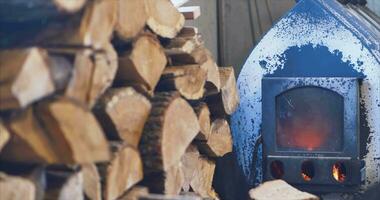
323, 181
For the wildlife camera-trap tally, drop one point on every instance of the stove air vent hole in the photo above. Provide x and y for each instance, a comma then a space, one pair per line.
277, 169
307, 170
339, 172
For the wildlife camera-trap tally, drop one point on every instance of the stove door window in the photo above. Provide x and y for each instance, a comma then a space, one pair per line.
309, 119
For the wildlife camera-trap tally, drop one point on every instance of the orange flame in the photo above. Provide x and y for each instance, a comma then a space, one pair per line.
306, 177
338, 173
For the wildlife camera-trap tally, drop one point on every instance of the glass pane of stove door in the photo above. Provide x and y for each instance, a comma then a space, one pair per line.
309, 119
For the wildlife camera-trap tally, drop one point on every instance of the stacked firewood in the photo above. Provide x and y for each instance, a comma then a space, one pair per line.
108, 99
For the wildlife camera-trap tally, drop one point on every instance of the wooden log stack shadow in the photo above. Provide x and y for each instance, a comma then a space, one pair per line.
109, 99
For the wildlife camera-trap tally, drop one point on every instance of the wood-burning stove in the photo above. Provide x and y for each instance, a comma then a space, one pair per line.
311, 132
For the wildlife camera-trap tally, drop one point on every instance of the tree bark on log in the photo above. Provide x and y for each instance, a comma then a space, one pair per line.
143, 64
188, 80
220, 140
163, 18
171, 126
26, 77
122, 113
122, 172
167, 182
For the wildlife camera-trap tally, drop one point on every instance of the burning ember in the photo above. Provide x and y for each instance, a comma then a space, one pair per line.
307, 170
339, 172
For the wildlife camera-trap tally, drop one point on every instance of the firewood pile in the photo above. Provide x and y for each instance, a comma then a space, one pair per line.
109, 99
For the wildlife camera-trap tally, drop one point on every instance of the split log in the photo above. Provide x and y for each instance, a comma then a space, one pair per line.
201, 56
227, 101
171, 126
49, 134
164, 19
132, 17
189, 166
28, 141
169, 197
167, 182
64, 185
93, 73
203, 114
188, 80
144, 64
220, 140
122, 172
135, 193
61, 69
4, 135
190, 12
61, 117
28, 10
201, 183
25, 76
182, 45
15, 188
91, 182
122, 113
279, 189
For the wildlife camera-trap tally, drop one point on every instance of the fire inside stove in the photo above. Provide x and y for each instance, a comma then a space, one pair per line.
309, 119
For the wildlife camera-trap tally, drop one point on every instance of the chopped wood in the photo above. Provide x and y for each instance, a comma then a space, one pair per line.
135, 193
64, 185
122, 172
190, 12
28, 141
220, 140
60, 117
15, 188
201, 183
188, 80
164, 19
50, 133
25, 76
144, 64
91, 182
93, 73
197, 56
132, 17
182, 45
122, 113
171, 126
169, 197
166, 182
203, 114
4, 135
227, 101
189, 166
279, 189
213, 82
61, 69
